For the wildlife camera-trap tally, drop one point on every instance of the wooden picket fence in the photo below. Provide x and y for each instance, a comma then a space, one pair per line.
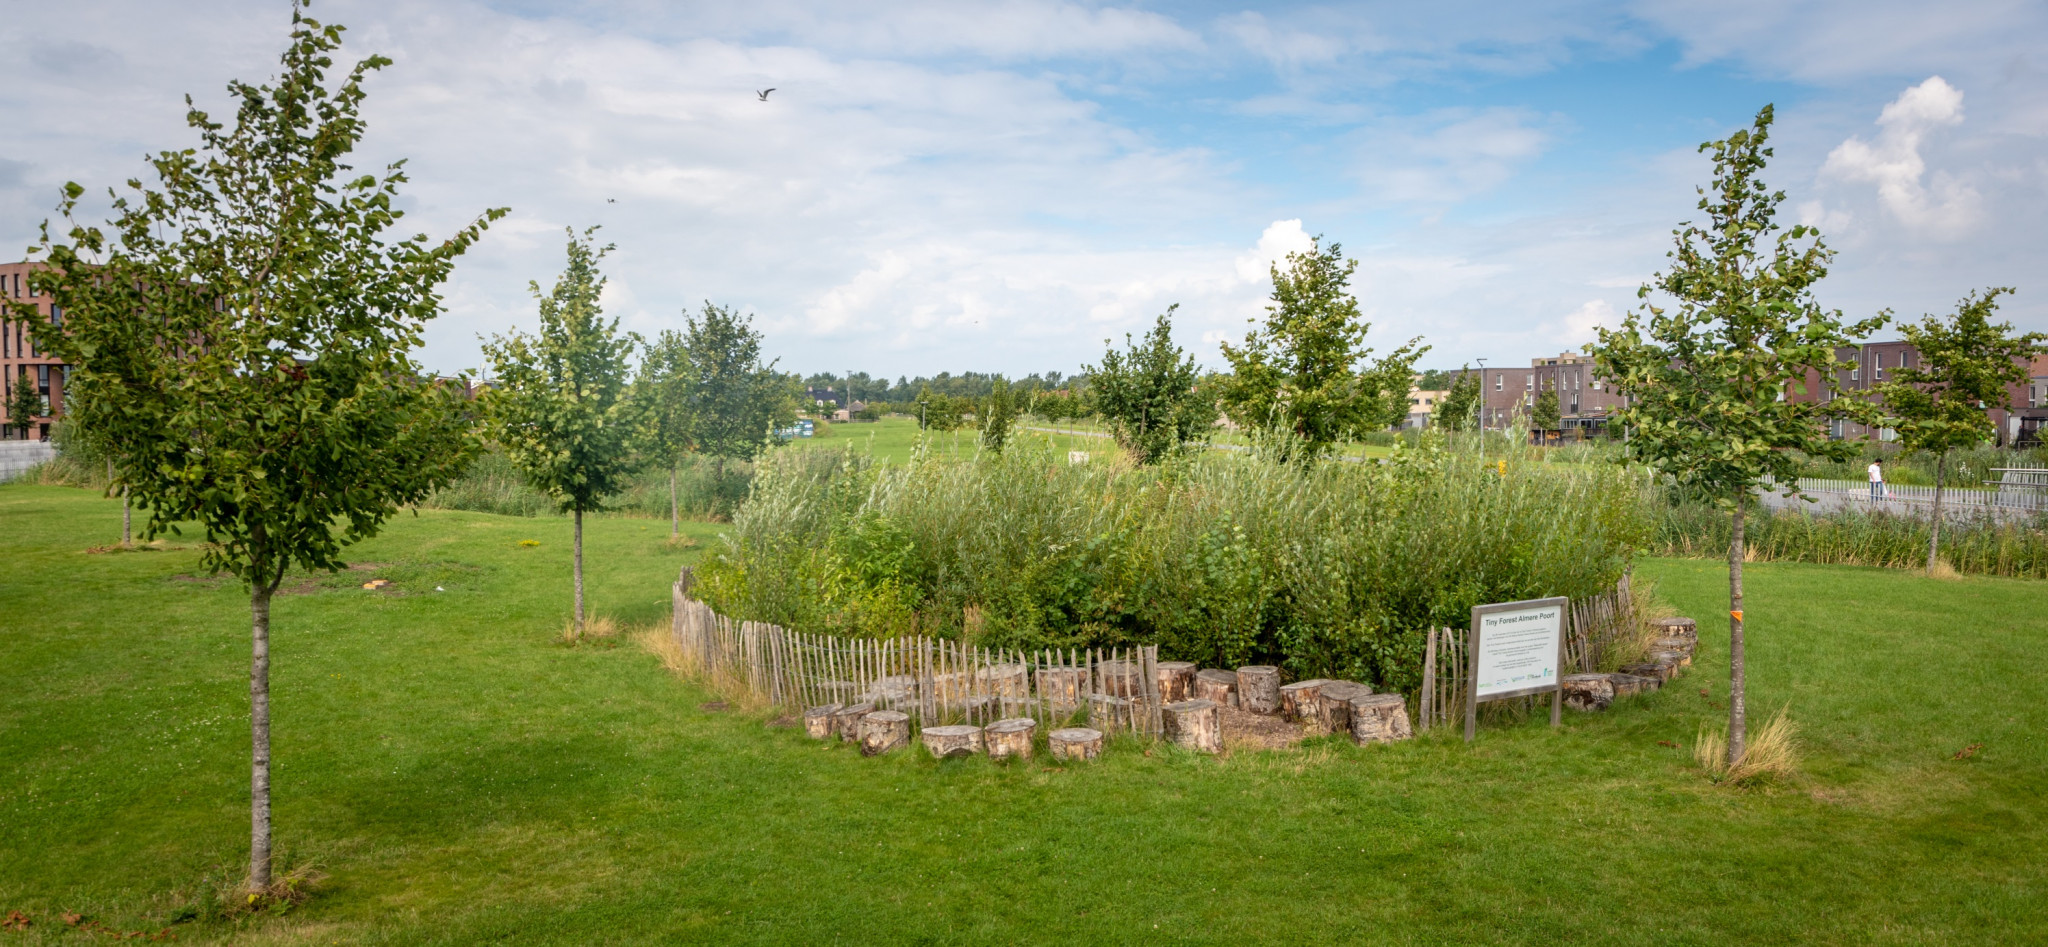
1595, 627
934, 680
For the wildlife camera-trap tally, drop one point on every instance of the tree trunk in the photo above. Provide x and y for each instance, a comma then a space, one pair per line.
675, 516
1737, 721
579, 573
1175, 678
818, 721
259, 738
127, 518
1934, 534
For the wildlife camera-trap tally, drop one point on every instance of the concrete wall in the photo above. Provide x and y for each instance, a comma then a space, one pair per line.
17, 456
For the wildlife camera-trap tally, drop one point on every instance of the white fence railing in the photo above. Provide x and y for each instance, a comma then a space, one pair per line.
2012, 496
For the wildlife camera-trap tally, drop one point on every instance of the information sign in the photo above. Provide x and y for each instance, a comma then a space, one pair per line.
1517, 650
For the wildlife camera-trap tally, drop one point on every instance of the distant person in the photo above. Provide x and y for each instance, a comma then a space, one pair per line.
1877, 490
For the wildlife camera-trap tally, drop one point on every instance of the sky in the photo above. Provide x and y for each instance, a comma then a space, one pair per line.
1003, 186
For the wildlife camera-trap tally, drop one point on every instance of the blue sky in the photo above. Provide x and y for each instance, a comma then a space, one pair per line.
1001, 186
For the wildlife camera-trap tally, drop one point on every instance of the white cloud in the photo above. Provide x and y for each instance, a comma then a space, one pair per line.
1949, 205
1449, 155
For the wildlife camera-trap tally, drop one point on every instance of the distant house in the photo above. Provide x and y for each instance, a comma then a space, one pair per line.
21, 364
1421, 408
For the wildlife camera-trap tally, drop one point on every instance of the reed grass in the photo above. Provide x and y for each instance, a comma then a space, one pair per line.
1334, 570
1979, 544
1771, 752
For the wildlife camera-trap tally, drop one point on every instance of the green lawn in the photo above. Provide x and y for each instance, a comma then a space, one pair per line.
463, 778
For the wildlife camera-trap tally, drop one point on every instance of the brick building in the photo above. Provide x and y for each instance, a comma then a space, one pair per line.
1871, 363
20, 363
1584, 402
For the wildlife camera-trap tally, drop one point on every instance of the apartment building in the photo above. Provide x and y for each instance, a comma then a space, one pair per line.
20, 363
1872, 364
1584, 401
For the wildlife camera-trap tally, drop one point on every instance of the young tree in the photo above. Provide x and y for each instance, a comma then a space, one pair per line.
737, 400
1149, 394
24, 403
1967, 367
997, 413
1546, 414
1458, 409
664, 389
1715, 376
1304, 373
246, 329
560, 408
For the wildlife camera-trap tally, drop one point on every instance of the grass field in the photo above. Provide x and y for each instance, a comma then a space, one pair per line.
462, 777
891, 440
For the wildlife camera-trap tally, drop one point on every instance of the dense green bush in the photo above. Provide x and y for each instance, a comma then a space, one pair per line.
1978, 544
1336, 570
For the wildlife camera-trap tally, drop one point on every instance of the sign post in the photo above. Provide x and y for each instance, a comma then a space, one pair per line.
1517, 650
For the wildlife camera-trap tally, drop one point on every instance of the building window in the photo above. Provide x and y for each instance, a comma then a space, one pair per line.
1877, 366
1498, 381
56, 315
43, 380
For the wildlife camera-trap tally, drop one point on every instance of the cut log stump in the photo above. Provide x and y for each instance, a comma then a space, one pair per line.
1379, 718
1682, 646
884, 731
1196, 724
1004, 680
818, 721
1109, 713
1671, 659
1063, 686
1010, 737
1258, 689
895, 690
1333, 706
1075, 743
1176, 680
1122, 678
1298, 700
1650, 669
1629, 685
953, 742
1588, 692
1677, 627
1216, 685
846, 721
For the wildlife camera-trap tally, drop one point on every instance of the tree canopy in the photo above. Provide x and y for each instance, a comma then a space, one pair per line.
243, 330
1149, 393
736, 399
1305, 372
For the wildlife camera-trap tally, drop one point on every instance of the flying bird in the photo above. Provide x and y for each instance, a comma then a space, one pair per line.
764, 94
611, 200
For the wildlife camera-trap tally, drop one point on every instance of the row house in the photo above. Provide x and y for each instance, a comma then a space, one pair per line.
1584, 400
1871, 365
20, 363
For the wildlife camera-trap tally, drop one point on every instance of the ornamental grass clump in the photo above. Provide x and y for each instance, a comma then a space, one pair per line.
1333, 570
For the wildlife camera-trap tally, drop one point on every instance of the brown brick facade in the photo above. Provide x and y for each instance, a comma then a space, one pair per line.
20, 363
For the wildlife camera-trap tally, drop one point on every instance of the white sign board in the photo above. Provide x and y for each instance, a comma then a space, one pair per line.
1517, 650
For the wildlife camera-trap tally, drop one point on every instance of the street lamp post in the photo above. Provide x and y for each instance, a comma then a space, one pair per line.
1479, 410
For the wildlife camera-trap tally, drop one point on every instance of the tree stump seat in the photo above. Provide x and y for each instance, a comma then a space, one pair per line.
1379, 718
884, 731
1588, 692
1333, 706
818, 721
1650, 669
1010, 737
952, 742
1213, 684
1629, 685
846, 721
1109, 712
1258, 689
1176, 680
1075, 743
1677, 627
1298, 700
1196, 724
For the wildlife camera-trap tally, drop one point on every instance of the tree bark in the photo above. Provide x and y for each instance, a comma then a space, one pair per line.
818, 721
259, 737
1588, 692
1175, 678
1216, 685
1934, 534
1298, 700
1737, 720
127, 518
579, 573
1379, 718
675, 516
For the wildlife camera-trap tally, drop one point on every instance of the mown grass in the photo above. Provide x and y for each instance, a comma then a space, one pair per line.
461, 777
